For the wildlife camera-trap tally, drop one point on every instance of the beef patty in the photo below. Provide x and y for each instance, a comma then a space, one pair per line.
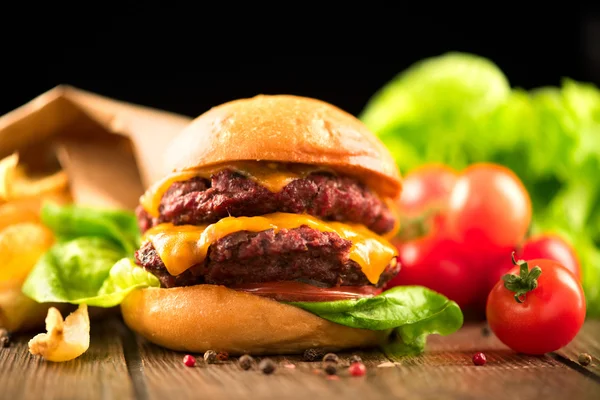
228, 193
301, 254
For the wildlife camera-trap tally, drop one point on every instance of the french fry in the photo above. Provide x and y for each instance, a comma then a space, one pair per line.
66, 339
21, 245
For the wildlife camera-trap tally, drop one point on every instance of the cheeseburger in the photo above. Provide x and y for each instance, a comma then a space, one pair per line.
267, 201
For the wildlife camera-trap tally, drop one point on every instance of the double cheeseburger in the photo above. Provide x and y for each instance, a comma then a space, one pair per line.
268, 200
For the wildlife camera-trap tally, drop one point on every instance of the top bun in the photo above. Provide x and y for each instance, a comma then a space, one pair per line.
286, 128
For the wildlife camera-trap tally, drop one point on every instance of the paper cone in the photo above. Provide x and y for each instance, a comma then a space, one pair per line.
111, 150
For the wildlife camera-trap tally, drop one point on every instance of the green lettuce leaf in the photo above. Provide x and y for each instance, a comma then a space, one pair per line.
413, 312
86, 270
91, 262
71, 221
459, 109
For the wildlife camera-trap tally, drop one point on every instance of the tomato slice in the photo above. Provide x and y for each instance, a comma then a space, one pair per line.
297, 291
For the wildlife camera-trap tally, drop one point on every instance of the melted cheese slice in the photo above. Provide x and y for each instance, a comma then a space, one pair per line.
272, 176
181, 247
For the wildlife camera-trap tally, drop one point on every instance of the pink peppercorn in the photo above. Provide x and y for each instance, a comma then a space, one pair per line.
479, 359
189, 361
357, 369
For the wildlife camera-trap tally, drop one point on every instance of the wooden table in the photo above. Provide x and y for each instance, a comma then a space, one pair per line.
119, 365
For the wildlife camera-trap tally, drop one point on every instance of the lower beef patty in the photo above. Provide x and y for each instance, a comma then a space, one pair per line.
199, 201
302, 254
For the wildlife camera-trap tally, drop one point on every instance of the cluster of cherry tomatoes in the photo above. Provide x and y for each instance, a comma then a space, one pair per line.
459, 232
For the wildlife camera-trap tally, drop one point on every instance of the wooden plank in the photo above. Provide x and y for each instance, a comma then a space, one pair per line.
445, 371
166, 376
100, 373
449, 372
587, 341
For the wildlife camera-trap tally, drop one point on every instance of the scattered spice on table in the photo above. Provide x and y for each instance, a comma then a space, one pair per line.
189, 360
4, 338
331, 357
330, 368
267, 366
479, 358
222, 356
486, 331
357, 369
313, 354
584, 359
246, 362
210, 356
355, 358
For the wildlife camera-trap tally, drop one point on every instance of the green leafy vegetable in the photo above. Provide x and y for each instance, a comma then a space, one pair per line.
69, 222
413, 312
459, 109
91, 262
85, 271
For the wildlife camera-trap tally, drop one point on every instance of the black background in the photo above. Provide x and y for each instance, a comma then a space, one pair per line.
147, 60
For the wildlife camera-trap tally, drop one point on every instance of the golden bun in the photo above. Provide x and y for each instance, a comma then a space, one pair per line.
209, 317
285, 128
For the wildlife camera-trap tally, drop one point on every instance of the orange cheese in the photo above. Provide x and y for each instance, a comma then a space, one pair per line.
272, 176
181, 247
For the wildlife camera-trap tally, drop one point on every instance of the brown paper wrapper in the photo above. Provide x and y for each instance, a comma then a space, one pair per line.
111, 150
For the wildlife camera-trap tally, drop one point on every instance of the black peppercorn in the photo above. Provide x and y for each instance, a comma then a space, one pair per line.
330, 368
585, 359
246, 362
4, 338
210, 357
330, 357
355, 359
485, 331
313, 354
222, 356
267, 366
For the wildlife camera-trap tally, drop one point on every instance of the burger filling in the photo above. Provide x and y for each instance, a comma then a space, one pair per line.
303, 255
242, 229
230, 193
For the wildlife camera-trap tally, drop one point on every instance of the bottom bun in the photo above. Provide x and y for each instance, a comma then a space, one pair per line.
208, 317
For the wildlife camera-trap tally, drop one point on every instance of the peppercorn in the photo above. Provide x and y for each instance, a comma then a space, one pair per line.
4, 338
357, 369
585, 359
210, 357
486, 331
330, 357
355, 359
246, 362
479, 359
267, 366
189, 360
330, 368
313, 354
222, 356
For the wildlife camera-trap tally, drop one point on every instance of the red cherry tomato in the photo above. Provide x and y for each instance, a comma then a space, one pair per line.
489, 210
436, 263
425, 194
552, 247
426, 186
547, 246
546, 316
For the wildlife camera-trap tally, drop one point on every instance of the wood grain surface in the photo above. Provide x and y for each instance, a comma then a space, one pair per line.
119, 365
100, 373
